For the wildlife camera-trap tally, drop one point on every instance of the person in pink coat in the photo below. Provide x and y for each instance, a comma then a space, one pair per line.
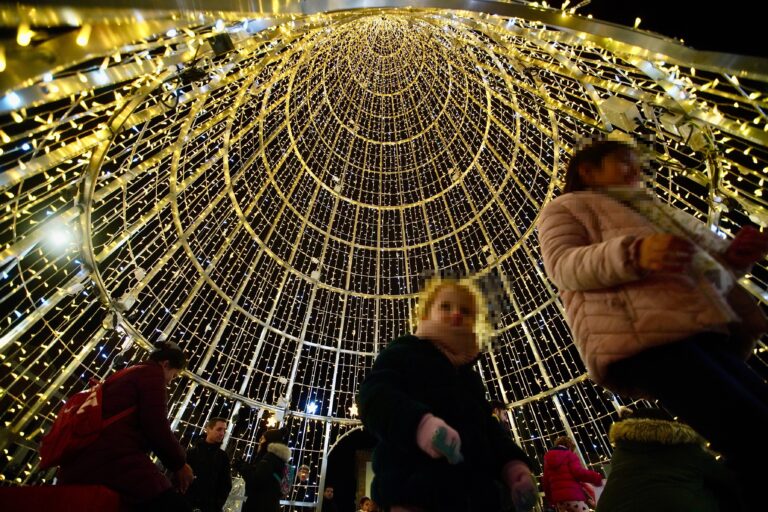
652, 299
564, 476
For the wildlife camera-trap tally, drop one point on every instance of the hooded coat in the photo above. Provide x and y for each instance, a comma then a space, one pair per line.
409, 379
663, 466
263, 479
563, 476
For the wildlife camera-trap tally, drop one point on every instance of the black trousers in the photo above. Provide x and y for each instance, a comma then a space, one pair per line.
715, 392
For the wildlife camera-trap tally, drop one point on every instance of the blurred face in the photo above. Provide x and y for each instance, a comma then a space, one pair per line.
169, 373
368, 506
328, 493
500, 415
617, 169
303, 474
454, 307
215, 434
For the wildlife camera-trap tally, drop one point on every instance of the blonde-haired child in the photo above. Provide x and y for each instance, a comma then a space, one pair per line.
440, 449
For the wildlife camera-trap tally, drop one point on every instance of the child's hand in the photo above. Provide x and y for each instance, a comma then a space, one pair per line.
748, 246
451, 450
518, 478
426, 431
664, 253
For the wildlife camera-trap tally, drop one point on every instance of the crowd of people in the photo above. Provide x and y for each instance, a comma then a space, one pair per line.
652, 299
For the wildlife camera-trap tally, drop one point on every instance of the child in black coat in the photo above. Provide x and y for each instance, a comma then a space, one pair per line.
440, 448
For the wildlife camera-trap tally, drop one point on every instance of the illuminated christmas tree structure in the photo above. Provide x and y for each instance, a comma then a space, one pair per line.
271, 189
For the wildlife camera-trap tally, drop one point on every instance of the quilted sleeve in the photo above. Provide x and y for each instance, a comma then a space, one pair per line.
573, 262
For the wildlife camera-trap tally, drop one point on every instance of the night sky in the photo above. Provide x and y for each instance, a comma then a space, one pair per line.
734, 27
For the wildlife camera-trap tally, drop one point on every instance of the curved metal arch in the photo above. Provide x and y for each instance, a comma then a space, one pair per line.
345, 434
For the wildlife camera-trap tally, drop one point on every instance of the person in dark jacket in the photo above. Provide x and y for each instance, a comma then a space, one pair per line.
119, 457
439, 447
662, 465
499, 413
264, 478
329, 504
564, 477
213, 481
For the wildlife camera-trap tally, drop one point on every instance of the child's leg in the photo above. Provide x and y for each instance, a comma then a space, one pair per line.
721, 397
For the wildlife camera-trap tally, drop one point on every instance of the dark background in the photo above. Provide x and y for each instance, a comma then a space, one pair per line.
730, 27
341, 469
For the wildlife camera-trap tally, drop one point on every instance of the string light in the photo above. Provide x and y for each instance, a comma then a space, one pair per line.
278, 220
24, 35
83, 35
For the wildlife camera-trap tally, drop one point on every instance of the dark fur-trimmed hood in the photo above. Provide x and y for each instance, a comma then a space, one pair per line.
654, 431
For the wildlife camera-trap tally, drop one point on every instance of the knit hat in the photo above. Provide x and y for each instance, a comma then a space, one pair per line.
274, 436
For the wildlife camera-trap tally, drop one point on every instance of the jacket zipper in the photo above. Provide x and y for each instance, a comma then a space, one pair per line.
628, 305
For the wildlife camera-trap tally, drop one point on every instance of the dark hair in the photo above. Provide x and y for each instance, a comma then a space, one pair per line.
651, 413
213, 421
274, 435
565, 441
591, 154
364, 500
497, 404
171, 352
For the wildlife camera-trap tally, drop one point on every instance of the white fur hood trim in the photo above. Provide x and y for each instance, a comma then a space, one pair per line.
280, 450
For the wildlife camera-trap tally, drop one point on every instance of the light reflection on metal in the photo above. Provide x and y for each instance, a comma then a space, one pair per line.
284, 201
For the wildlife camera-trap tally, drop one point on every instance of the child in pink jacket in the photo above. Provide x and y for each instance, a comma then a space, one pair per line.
564, 478
439, 448
651, 298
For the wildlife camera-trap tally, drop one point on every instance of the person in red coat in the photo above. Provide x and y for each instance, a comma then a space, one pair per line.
564, 477
119, 457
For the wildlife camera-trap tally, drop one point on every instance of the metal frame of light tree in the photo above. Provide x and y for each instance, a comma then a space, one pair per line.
538, 88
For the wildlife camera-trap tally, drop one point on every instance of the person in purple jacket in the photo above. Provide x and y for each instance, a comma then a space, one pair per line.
119, 457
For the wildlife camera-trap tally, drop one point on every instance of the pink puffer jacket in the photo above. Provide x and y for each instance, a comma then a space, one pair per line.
563, 475
613, 309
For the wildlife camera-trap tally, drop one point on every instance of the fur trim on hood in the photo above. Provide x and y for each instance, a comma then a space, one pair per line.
280, 450
654, 431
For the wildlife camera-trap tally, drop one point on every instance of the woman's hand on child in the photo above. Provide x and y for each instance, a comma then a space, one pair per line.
518, 478
662, 252
748, 246
425, 433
